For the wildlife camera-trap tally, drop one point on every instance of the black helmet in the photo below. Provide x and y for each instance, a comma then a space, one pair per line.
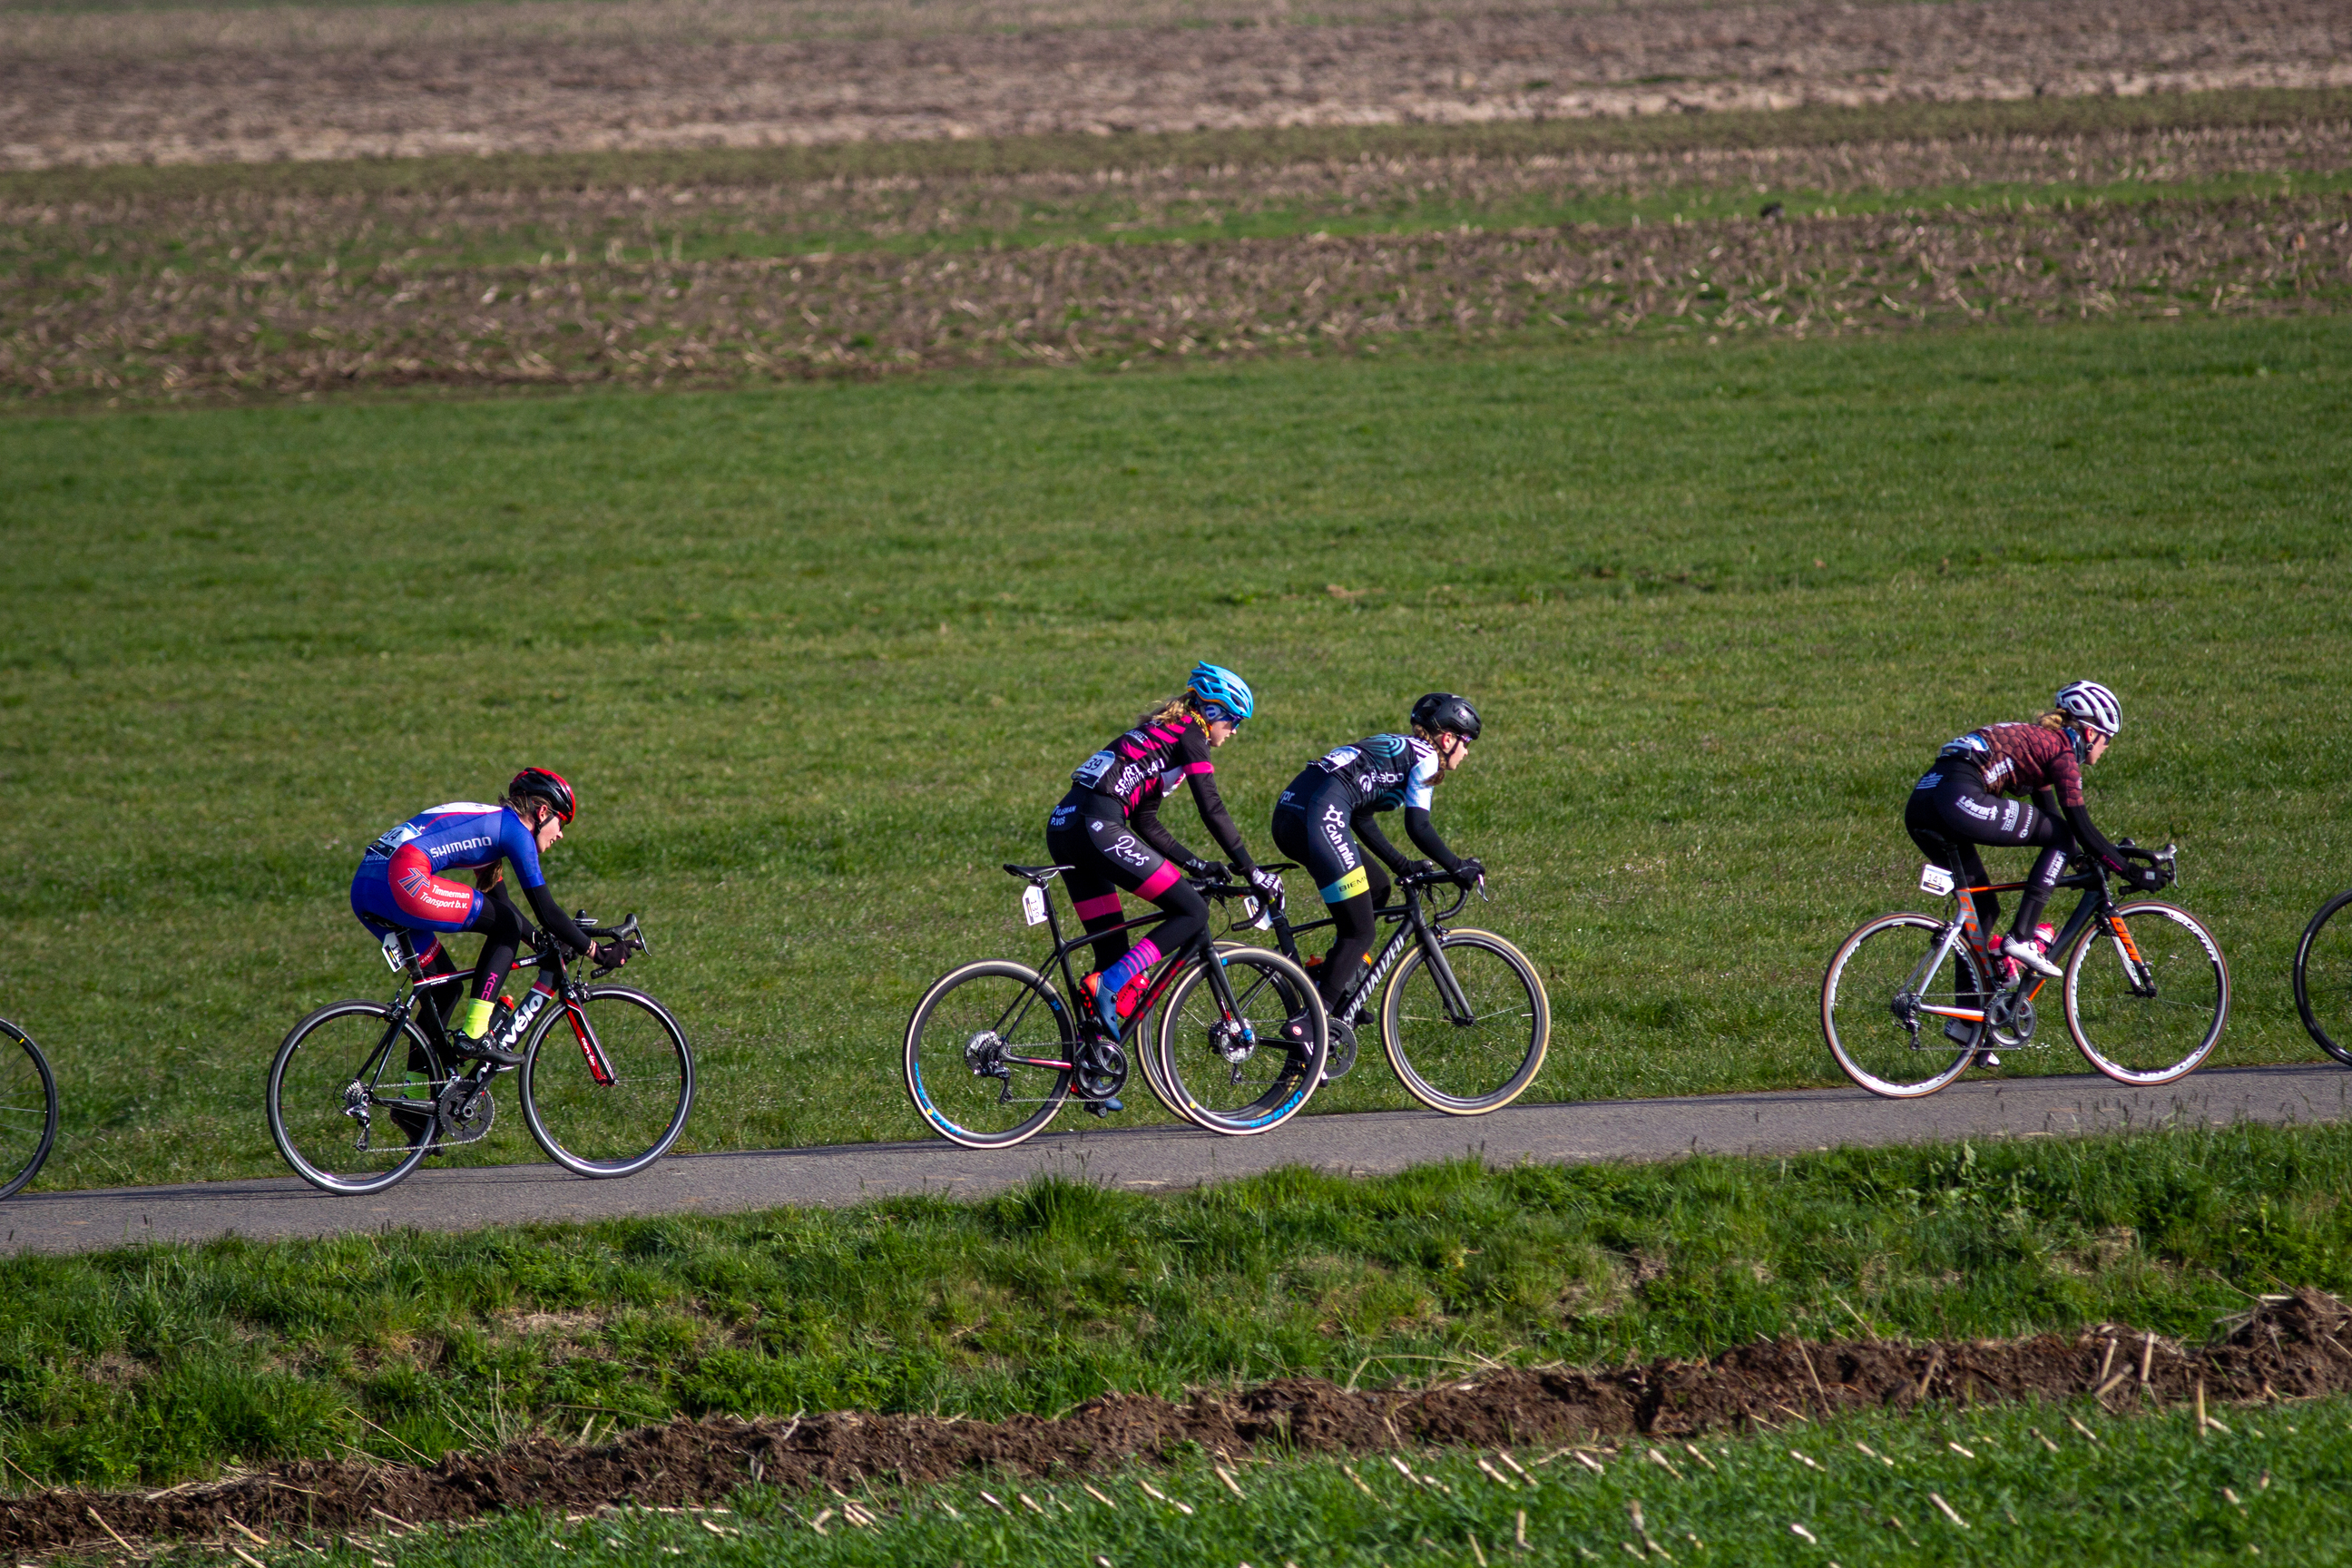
1442, 710
540, 784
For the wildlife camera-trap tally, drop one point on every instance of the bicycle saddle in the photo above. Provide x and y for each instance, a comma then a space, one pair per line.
1041, 875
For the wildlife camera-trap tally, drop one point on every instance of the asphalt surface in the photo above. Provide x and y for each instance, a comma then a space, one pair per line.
1157, 1159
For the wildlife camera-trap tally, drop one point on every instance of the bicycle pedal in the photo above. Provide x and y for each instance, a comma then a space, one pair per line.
1105, 1107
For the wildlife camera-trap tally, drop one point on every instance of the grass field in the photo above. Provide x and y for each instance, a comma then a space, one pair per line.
820, 658
2015, 1486
154, 1364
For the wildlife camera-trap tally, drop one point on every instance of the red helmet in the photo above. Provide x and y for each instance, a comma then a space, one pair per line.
538, 783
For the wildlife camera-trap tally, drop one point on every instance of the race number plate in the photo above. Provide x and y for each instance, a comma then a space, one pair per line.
392, 958
1260, 916
1033, 905
1934, 880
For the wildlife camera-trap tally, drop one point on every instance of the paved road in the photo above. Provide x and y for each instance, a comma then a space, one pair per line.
1152, 1159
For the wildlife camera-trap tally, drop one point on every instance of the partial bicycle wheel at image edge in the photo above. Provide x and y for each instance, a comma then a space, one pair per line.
2323, 978
2148, 1003
608, 1081
1236, 1074
977, 1055
1474, 1044
1874, 997
352, 1098
29, 1110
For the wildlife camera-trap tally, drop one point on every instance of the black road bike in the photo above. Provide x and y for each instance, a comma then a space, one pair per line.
28, 1109
1465, 1022
361, 1092
2323, 978
995, 1048
1905, 1005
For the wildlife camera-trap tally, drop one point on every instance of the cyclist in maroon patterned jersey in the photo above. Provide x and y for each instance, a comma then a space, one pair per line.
1107, 830
1959, 804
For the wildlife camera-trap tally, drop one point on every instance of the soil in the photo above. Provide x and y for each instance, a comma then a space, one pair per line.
276, 332
293, 83
2289, 1347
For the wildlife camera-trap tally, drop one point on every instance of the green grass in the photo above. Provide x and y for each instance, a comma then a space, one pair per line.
2136, 1491
148, 1364
1076, 153
821, 658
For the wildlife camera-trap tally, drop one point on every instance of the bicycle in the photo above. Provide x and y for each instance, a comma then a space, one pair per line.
993, 1052
29, 1110
1466, 1022
2325, 1003
360, 1095
2148, 1017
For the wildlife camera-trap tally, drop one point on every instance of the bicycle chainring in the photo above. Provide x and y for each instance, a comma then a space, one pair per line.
1342, 1053
465, 1110
2010, 1019
1101, 1071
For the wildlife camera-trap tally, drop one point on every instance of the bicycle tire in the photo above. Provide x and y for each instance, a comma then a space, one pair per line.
602, 1126
1253, 1099
2331, 996
1873, 1045
1437, 1061
2164, 1034
946, 1053
311, 1111
27, 1091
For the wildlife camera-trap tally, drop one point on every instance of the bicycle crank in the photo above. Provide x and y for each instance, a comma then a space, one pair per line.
1101, 1071
1342, 1053
2011, 1019
465, 1110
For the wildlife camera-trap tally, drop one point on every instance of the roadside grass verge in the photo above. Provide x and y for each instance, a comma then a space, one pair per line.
1015, 155
822, 660
1983, 1487
152, 1364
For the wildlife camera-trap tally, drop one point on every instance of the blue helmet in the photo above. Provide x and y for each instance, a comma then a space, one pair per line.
1224, 696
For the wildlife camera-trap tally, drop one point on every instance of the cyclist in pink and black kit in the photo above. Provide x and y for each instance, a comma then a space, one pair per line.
1959, 804
399, 887
1108, 831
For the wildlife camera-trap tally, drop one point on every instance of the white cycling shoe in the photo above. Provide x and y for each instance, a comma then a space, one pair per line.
2028, 955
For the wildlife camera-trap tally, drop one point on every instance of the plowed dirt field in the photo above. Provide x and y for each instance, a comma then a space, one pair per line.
261, 84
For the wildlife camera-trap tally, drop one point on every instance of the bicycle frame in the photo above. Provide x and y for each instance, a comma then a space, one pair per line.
2095, 904
1414, 924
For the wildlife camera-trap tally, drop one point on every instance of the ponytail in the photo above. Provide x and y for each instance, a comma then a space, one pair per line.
2054, 720
1180, 710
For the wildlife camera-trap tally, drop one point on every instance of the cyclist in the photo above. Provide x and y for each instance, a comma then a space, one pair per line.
1107, 829
1959, 805
1333, 804
400, 887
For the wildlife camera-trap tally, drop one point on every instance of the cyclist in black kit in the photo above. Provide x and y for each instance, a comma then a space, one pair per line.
1334, 803
1107, 830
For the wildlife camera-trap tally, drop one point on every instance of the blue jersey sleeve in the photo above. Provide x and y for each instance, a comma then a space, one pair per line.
521, 849
1421, 780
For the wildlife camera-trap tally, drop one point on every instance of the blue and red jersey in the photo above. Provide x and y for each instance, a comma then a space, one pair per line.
400, 884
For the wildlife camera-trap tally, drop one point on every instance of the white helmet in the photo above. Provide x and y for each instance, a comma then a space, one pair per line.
2092, 703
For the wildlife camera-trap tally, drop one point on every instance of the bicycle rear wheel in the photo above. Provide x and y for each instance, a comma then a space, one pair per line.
608, 1094
2146, 1004
1479, 1058
351, 1098
1868, 1013
987, 1053
2323, 978
1236, 1074
29, 1110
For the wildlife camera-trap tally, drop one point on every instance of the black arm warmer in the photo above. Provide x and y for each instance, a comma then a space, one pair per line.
2091, 839
552, 919
1154, 832
1368, 829
1220, 822
1417, 828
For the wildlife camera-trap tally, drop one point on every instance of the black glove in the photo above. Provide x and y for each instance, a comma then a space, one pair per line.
1468, 873
609, 955
1268, 885
2146, 878
1418, 869
1210, 870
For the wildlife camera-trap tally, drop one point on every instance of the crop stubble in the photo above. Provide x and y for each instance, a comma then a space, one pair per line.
293, 83
661, 323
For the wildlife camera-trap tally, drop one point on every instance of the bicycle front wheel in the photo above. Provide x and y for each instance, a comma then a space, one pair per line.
352, 1098
607, 1094
1233, 1072
2147, 995
29, 1110
1473, 1050
1869, 1008
2323, 978
988, 1055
